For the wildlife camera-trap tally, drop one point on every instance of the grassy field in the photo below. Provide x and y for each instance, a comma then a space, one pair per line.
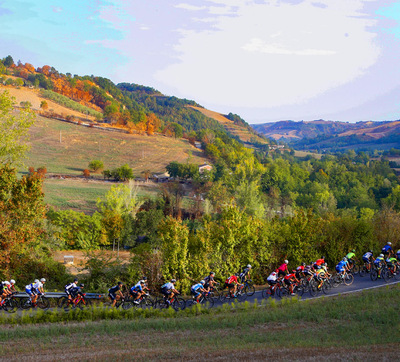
68, 148
305, 154
363, 326
81, 195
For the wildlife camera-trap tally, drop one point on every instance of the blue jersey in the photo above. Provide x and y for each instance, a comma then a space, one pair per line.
387, 248
197, 286
168, 286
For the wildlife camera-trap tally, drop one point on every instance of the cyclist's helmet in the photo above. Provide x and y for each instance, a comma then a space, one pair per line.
12, 281
212, 273
353, 251
237, 274
286, 261
248, 266
344, 259
303, 264
7, 282
43, 280
173, 280
81, 285
142, 281
371, 251
389, 243
119, 283
381, 255
36, 281
325, 264
75, 280
144, 278
202, 282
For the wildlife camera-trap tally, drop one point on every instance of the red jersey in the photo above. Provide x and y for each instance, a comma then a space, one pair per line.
320, 262
300, 268
289, 276
283, 267
231, 279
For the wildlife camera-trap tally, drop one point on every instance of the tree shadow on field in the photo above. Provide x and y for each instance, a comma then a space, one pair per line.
75, 169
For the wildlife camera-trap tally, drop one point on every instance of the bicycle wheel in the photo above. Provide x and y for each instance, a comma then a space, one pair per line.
207, 301
85, 303
267, 293
249, 290
241, 296
374, 275
363, 271
66, 304
337, 280
60, 301
355, 269
146, 303
10, 306
226, 296
215, 293
348, 279
386, 275
179, 303
25, 303
397, 276
313, 288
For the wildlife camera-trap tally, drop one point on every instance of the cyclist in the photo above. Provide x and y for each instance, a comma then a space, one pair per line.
245, 274
232, 283
197, 289
272, 280
209, 281
398, 255
4, 290
11, 287
76, 290
283, 269
68, 288
321, 274
168, 290
391, 263
288, 280
351, 258
300, 271
387, 249
319, 262
31, 290
115, 293
342, 266
138, 290
379, 261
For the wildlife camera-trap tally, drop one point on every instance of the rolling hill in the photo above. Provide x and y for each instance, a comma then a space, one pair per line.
334, 136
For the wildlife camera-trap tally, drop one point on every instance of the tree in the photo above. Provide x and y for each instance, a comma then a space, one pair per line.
96, 165
13, 131
44, 105
8, 61
178, 129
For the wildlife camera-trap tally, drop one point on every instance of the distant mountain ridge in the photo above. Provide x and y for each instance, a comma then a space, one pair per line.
334, 136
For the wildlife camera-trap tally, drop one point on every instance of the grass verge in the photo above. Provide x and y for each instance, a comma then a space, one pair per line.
360, 326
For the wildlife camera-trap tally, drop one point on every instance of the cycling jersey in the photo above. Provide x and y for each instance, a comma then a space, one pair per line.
232, 279
69, 287
272, 277
283, 267
319, 262
38, 286
74, 291
350, 255
2, 288
197, 286
367, 256
30, 289
168, 286
114, 289
208, 279
386, 249
378, 260
244, 273
398, 254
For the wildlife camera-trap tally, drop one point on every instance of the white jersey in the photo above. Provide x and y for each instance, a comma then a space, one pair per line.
272, 277
38, 285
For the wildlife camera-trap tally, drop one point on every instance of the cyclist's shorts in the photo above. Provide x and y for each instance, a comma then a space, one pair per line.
339, 270
271, 282
166, 291
133, 293
195, 292
32, 291
280, 272
230, 285
112, 296
365, 259
67, 291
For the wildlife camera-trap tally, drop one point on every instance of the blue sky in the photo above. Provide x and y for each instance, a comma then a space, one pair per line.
264, 60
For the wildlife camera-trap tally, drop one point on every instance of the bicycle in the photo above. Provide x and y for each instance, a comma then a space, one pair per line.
249, 287
388, 273
240, 294
215, 293
42, 302
365, 269
144, 301
80, 301
177, 303
204, 299
9, 304
346, 278
318, 286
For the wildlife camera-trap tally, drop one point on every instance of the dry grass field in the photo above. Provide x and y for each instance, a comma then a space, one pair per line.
68, 148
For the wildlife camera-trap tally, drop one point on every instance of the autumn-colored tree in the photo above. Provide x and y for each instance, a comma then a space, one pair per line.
86, 173
44, 105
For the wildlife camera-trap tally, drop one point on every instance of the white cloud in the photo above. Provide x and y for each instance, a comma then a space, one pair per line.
272, 54
190, 7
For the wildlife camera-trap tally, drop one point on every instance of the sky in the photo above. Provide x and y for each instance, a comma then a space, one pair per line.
263, 60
